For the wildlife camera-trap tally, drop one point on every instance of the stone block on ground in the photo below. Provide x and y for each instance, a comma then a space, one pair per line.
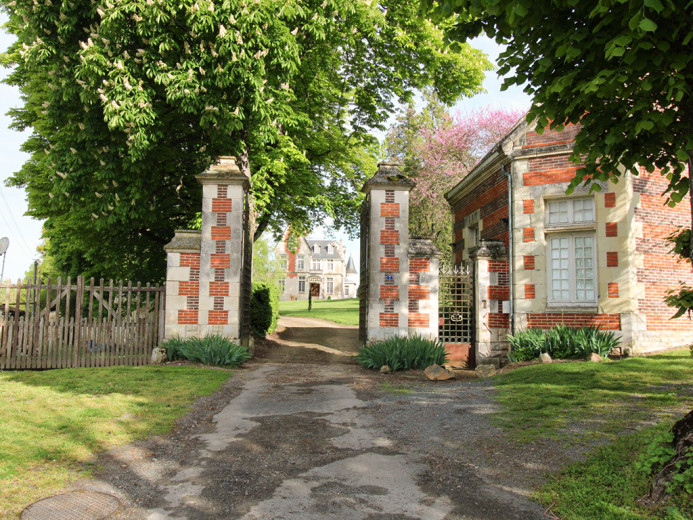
158, 356
596, 358
385, 369
438, 373
485, 370
545, 358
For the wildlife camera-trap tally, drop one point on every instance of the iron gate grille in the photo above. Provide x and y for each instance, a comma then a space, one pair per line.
456, 319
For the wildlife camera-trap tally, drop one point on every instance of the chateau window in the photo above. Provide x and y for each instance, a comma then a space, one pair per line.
571, 253
283, 262
346, 290
330, 249
330, 285
301, 284
300, 263
316, 249
282, 286
315, 265
330, 266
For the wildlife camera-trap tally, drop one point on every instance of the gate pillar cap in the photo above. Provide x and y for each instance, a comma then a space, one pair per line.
224, 171
422, 248
489, 249
184, 241
388, 177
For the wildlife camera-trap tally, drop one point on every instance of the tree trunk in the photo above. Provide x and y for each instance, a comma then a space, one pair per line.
682, 443
249, 221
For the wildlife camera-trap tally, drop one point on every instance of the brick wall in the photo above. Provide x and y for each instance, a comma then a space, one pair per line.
660, 271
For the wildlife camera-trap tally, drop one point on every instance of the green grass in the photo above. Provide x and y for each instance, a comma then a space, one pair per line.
54, 422
542, 401
608, 485
597, 403
345, 312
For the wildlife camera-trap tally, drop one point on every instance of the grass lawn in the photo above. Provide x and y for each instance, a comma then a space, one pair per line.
53, 422
583, 403
345, 312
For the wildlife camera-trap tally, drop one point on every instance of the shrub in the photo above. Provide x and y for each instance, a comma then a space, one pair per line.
403, 353
561, 342
211, 350
264, 308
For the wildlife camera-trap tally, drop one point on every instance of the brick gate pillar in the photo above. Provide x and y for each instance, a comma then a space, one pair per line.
203, 281
491, 302
423, 290
387, 254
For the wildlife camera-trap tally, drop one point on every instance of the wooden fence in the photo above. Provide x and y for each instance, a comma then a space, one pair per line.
61, 325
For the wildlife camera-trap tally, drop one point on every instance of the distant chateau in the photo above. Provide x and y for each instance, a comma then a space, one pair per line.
318, 266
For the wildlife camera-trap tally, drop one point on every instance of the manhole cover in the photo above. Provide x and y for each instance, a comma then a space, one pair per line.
78, 505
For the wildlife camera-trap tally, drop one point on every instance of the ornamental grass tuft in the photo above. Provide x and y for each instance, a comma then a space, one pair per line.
561, 342
211, 350
403, 353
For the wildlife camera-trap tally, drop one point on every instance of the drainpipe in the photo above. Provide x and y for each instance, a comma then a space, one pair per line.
511, 251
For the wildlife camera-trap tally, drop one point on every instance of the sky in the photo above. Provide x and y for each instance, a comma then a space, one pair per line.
24, 232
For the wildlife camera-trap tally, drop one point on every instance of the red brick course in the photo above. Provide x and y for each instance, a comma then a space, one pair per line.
611, 229
389, 236
528, 206
419, 292
220, 260
419, 265
498, 292
549, 320
612, 259
218, 288
389, 209
529, 262
389, 292
186, 317
190, 260
498, 320
610, 200
221, 205
389, 264
221, 233
612, 291
417, 320
188, 288
389, 319
218, 317
529, 291
528, 234
549, 177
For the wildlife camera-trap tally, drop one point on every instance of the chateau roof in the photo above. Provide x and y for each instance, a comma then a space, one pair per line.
351, 268
323, 254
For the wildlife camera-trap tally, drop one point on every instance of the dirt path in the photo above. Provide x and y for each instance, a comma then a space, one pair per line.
329, 440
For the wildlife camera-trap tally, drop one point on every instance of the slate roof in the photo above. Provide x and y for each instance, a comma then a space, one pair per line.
336, 254
351, 268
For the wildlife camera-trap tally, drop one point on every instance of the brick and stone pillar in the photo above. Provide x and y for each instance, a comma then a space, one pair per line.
214, 295
182, 284
387, 197
491, 302
422, 295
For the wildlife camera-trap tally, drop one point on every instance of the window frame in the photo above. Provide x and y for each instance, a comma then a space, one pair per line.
329, 285
300, 262
571, 229
316, 265
301, 280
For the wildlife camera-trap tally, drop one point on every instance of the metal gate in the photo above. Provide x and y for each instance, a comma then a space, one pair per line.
456, 315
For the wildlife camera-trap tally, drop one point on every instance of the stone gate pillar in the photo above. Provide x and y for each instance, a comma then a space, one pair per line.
203, 280
491, 302
386, 254
423, 290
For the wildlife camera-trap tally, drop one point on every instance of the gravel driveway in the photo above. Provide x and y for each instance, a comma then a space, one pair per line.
322, 438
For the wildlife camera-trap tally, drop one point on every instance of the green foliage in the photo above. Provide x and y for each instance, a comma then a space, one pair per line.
266, 267
561, 342
620, 69
264, 308
656, 453
213, 350
403, 353
128, 101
